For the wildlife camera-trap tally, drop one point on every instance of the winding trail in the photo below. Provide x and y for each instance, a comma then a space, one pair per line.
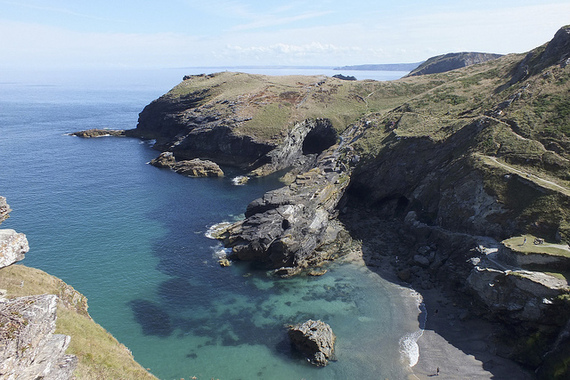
531, 177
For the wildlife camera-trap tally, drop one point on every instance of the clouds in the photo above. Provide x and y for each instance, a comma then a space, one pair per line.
179, 33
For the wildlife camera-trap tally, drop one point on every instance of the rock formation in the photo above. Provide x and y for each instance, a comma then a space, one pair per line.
315, 340
29, 349
13, 246
91, 133
4, 209
295, 226
190, 168
451, 61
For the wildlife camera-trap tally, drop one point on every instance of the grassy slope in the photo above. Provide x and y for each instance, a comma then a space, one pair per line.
269, 106
529, 137
100, 355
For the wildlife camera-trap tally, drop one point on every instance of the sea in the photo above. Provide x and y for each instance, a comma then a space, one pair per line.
134, 239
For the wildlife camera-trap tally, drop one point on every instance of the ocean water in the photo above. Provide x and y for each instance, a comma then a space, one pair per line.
132, 238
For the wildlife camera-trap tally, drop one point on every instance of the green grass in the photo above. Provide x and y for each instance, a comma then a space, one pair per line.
100, 355
516, 244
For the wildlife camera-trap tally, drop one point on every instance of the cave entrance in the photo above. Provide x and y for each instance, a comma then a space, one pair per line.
321, 137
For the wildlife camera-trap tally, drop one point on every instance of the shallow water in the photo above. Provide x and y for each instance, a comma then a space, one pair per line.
132, 238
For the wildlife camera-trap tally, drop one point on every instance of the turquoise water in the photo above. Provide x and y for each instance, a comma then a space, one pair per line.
132, 238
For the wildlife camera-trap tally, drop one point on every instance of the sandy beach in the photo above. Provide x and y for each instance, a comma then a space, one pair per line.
459, 345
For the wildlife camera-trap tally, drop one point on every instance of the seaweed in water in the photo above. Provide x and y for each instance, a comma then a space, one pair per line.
153, 320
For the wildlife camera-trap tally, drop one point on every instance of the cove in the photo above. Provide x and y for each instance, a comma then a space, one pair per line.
132, 238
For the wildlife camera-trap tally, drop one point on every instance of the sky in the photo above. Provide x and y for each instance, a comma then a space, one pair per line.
189, 33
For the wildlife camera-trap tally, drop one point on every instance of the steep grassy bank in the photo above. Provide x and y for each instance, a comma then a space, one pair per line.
100, 355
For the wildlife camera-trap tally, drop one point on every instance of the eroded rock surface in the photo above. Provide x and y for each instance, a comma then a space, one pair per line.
28, 347
13, 247
191, 168
315, 340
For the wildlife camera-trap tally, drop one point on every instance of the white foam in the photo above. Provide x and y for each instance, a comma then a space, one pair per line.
409, 348
220, 253
240, 180
216, 229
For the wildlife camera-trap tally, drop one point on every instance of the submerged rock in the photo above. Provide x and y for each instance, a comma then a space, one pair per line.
315, 340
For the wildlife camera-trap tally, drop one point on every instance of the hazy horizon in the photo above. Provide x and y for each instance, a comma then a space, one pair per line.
187, 33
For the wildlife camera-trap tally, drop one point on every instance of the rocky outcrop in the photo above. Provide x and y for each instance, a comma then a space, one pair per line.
187, 128
555, 52
451, 61
315, 340
295, 226
190, 168
29, 349
4, 210
13, 247
91, 133
517, 295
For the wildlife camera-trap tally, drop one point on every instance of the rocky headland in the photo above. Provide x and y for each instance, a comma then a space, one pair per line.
451, 61
431, 177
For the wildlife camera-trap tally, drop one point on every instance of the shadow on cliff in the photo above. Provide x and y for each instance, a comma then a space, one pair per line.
389, 249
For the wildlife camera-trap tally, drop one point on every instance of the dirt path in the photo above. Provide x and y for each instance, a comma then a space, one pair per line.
531, 177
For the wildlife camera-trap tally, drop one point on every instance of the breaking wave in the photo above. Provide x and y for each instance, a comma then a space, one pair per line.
409, 349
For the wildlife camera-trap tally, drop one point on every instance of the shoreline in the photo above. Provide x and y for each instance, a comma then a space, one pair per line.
457, 342
460, 345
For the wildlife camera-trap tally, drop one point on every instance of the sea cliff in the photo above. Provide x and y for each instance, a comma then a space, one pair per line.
430, 175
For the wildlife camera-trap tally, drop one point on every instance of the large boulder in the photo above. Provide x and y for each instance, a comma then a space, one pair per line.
315, 340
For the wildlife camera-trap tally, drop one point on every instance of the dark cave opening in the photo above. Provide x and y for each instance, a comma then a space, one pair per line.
321, 137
